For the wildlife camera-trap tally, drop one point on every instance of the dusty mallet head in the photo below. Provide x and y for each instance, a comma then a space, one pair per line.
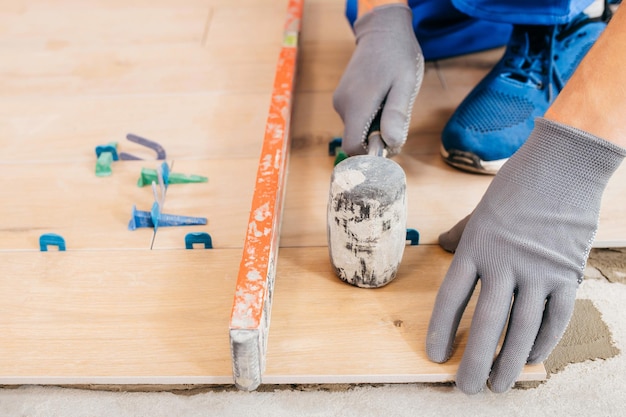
367, 220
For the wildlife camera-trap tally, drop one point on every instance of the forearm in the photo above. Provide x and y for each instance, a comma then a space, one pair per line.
594, 99
367, 5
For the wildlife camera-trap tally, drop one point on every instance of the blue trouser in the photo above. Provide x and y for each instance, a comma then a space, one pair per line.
447, 28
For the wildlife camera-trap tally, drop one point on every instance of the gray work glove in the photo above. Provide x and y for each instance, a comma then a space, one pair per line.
527, 242
387, 63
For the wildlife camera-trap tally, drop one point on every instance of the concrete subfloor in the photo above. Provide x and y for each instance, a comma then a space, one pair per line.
586, 377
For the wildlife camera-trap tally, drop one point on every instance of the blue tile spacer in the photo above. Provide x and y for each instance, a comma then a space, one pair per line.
140, 218
154, 218
413, 235
51, 239
165, 220
198, 237
333, 145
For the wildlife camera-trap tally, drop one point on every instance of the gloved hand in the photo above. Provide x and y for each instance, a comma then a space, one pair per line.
527, 242
387, 64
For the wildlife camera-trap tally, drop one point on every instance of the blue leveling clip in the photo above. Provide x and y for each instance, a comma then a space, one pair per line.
334, 149
198, 237
51, 239
413, 236
333, 145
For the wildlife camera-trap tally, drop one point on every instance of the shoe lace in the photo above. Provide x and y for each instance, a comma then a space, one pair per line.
531, 60
532, 57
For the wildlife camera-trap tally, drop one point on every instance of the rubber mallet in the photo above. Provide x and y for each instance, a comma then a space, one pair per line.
366, 217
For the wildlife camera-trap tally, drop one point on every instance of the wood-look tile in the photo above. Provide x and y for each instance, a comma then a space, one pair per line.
195, 126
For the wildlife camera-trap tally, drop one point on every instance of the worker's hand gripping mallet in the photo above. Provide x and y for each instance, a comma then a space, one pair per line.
367, 212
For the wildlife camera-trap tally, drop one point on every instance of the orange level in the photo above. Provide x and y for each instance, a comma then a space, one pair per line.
250, 318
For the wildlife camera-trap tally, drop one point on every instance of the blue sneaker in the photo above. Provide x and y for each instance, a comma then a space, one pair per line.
497, 116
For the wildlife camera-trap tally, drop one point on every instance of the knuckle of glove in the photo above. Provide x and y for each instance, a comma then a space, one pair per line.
352, 146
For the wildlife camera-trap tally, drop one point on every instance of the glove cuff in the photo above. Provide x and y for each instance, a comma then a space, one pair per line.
564, 163
388, 16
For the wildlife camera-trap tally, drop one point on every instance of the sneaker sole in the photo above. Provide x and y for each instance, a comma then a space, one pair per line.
467, 161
